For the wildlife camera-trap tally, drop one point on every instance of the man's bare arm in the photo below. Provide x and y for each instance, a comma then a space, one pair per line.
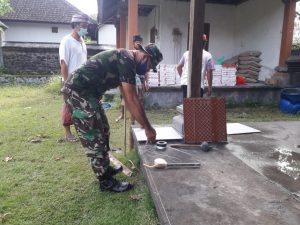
137, 111
179, 69
209, 80
64, 70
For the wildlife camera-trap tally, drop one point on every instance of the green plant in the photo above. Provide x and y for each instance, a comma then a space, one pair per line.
5, 7
54, 85
296, 46
88, 40
108, 97
4, 70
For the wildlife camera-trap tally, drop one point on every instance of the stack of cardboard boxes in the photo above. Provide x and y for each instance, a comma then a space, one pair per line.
167, 75
223, 75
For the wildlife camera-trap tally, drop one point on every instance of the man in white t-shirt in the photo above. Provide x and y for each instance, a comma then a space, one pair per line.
207, 69
72, 54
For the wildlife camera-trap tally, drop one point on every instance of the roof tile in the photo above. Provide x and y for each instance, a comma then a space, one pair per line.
49, 11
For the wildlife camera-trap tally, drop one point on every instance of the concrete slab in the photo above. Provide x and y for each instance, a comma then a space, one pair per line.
275, 153
238, 183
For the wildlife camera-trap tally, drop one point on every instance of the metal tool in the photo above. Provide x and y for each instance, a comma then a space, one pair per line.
161, 145
183, 165
204, 146
160, 163
125, 130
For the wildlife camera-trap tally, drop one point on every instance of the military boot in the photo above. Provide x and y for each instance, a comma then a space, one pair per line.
114, 170
113, 185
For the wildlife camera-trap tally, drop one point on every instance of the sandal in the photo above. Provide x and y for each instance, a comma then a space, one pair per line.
71, 138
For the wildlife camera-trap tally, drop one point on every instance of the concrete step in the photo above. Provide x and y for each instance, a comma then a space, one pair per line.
178, 124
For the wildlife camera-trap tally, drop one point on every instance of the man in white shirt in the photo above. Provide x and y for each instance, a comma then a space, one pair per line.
207, 69
72, 54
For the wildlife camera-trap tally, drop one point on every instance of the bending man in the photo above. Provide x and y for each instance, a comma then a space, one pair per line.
106, 70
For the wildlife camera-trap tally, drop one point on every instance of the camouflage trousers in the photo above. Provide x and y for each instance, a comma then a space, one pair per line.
92, 128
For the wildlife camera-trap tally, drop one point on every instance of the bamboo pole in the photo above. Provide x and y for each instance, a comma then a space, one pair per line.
125, 130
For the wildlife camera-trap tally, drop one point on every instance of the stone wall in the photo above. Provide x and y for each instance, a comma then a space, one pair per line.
10, 79
39, 58
171, 96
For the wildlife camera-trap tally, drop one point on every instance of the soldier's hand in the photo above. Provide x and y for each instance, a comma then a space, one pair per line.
151, 135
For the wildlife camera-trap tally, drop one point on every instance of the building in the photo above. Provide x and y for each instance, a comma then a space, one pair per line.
233, 26
40, 21
35, 29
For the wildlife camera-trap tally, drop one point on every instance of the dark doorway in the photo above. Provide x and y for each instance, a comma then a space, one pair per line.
93, 31
153, 32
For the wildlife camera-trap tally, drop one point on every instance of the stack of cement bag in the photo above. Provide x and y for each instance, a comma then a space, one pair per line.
249, 65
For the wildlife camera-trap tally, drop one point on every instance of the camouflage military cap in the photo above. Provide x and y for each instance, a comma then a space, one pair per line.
154, 52
137, 38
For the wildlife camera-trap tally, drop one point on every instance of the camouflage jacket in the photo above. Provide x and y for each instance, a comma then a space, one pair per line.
102, 72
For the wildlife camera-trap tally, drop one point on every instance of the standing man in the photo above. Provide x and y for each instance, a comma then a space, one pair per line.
137, 40
84, 88
72, 54
207, 70
141, 80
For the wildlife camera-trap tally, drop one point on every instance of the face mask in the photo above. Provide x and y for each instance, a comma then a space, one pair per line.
141, 68
82, 32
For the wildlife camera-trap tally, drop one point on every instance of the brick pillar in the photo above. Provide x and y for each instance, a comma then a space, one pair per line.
122, 31
132, 21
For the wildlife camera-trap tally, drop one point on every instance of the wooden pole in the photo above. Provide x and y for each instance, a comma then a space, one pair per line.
117, 25
132, 21
132, 30
197, 9
125, 130
287, 30
122, 44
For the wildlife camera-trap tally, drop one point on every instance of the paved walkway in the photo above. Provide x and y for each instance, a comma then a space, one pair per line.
254, 179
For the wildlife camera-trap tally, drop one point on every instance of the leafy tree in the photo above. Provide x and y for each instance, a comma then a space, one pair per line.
94, 16
5, 7
296, 39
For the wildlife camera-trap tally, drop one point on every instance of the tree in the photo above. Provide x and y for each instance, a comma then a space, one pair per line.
5, 7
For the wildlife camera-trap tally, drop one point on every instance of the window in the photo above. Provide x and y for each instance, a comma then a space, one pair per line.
54, 29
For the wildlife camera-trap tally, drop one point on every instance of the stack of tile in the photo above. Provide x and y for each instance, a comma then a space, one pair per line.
153, 79
167, 75
223, 75
217, 77
249, 65
229, 75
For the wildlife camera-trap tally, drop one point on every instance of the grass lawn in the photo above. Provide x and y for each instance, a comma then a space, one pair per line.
51, 182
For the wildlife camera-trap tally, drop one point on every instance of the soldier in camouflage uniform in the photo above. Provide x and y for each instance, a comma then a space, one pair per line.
84, 88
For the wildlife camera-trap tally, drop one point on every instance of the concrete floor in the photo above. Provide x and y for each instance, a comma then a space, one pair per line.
254, 179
